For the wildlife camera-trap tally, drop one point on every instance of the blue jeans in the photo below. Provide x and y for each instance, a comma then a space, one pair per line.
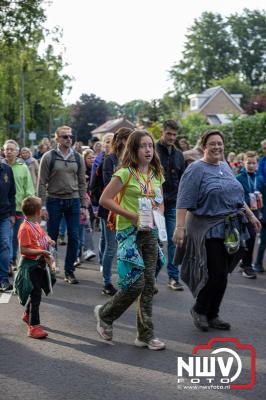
5, 227
109, 252
101, 241
170, 220
62, 227
88, 238
14, 236
71, 210
81, 239
262, 246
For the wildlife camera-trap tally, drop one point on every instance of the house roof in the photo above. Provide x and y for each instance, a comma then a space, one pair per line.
217, 119
209, 92
213, 92
112, 125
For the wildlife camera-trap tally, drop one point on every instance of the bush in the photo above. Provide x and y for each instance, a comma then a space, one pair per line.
242, 134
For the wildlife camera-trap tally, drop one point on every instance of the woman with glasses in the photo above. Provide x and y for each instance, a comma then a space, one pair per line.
210, 229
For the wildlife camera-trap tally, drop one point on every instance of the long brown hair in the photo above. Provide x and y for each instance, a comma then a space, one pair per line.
130, 155
117, 143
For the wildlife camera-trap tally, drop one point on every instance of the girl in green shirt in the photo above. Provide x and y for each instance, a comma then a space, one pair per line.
140, 176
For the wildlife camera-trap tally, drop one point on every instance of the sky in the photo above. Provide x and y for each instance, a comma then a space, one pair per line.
122, 50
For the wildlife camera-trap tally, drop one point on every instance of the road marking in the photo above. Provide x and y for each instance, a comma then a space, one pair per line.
5, 297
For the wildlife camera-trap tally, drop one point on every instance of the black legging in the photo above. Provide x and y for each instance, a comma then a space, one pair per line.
38, 277
210, 297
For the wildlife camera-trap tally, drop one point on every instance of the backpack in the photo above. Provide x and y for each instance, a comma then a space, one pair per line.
53, 158
97, 185
111, 220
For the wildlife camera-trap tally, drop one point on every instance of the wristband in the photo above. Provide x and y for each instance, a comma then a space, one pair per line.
179, 227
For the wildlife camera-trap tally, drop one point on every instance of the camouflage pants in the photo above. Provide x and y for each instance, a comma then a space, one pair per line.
142, 290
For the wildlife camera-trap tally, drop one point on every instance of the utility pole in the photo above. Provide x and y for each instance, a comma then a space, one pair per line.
22, 109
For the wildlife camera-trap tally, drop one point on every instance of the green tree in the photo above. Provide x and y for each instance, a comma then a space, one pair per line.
21, 31
21, 21
88, 113
208, 54
248, 32
115, 110
218, 47
193, 125
135, 110
170, 107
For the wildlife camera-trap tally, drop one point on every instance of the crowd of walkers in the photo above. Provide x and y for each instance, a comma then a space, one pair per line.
134, 193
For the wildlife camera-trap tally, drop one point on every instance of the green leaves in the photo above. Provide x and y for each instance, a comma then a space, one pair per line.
21, 31
217, 47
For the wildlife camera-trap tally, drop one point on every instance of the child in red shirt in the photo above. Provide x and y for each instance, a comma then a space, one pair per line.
34, 247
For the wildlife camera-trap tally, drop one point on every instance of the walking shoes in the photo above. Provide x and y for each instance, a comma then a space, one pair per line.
153, 344
36, 332
104, 330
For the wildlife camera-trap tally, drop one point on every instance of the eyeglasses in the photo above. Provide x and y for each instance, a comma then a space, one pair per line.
213, 144
66, 137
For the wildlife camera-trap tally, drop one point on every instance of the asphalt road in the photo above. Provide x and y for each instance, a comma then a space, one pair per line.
74, 363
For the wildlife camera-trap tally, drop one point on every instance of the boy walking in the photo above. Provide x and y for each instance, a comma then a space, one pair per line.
253, 187
32, 276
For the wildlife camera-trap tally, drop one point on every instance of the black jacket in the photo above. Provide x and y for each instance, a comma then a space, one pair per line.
173, 165
110, 163
7, 191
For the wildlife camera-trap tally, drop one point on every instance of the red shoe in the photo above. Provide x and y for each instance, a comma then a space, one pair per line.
36, 332
25, 317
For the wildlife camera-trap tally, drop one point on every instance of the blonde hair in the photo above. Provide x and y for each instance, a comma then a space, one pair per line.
107, 135
88, 151
62, 128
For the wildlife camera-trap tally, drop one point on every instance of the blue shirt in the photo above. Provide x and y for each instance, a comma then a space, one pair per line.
210, 190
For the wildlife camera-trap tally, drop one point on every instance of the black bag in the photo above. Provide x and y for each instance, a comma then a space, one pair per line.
97, 185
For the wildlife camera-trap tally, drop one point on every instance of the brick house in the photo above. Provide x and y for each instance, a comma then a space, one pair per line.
216, 104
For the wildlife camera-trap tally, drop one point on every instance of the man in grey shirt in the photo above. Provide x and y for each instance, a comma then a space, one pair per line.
62, 177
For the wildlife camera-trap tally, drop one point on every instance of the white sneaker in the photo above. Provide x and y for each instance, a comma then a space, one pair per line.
175, 285
104, 330
88, 254
153, 344
77, 262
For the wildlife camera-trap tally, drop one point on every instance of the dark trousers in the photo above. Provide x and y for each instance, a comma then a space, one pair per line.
248, 253
38, 279
210, 297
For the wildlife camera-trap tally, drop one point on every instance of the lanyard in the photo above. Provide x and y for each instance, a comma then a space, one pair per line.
145, 187
42, 241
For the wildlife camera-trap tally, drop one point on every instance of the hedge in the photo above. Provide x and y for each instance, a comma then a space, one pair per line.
241, 135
